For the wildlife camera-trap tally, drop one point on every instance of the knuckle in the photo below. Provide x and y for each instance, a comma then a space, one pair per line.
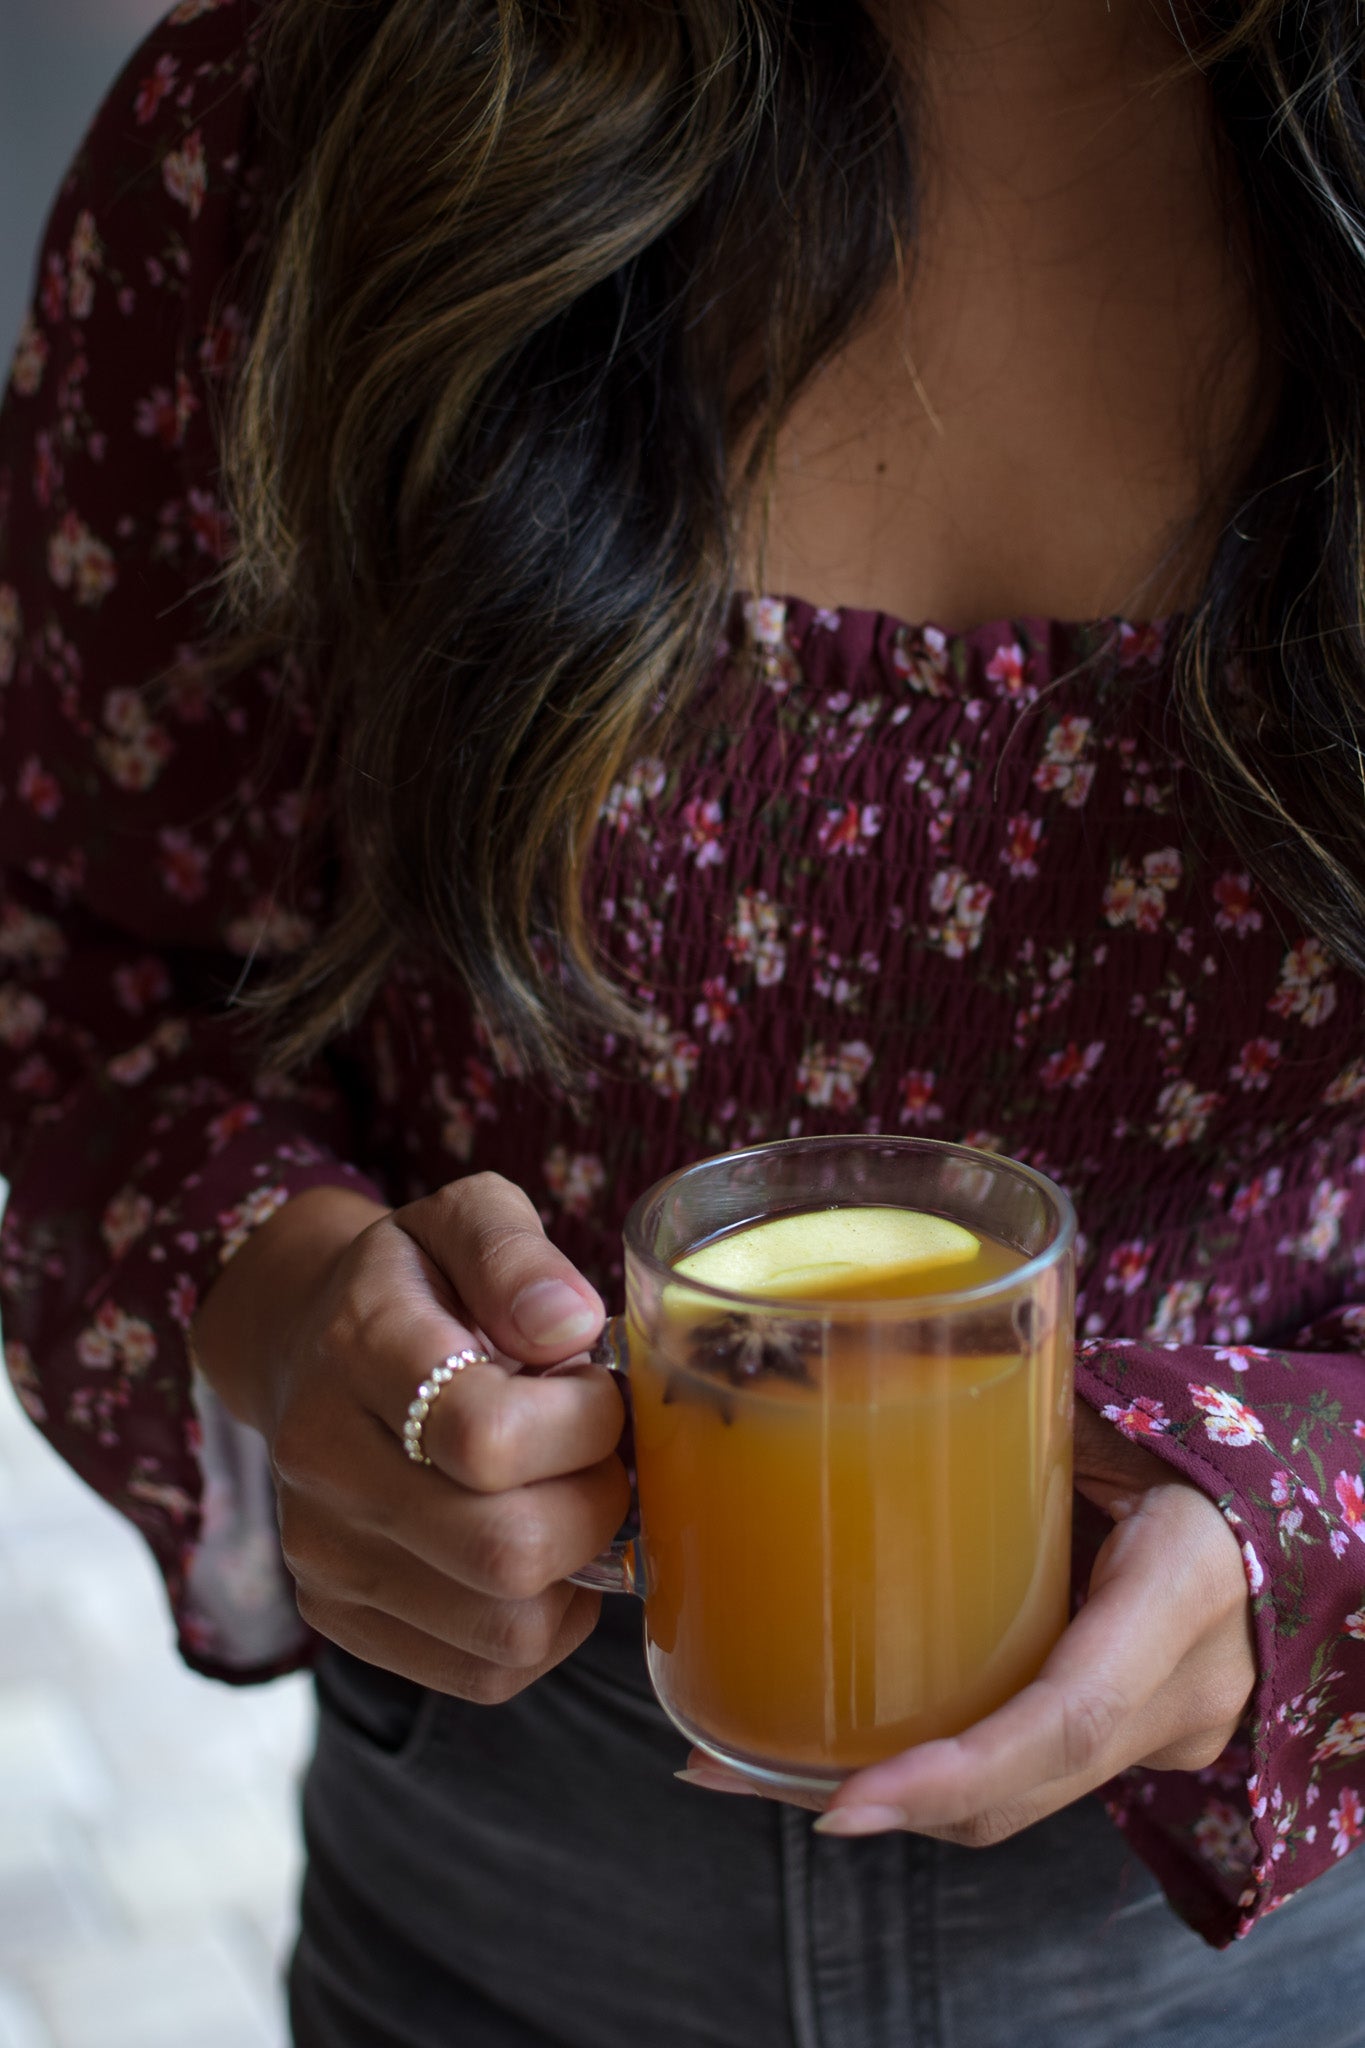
1090, 1721
479, 1440
490, 1685
294, 1451
988, 1829
1194, 1752
513, 1554
521, 1635
317, 1610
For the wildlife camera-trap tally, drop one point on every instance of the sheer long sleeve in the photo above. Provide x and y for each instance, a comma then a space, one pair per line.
141, 845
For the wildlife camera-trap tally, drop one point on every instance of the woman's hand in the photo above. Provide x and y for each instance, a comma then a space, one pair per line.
318, 1334
1157, 1668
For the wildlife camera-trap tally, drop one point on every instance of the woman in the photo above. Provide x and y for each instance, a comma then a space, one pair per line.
540, 858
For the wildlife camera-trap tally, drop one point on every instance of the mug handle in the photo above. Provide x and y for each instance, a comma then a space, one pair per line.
621, 1567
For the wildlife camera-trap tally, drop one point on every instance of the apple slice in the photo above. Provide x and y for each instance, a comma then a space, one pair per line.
834, 1254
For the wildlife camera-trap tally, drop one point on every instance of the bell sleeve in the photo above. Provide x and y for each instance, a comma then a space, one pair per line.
142, 840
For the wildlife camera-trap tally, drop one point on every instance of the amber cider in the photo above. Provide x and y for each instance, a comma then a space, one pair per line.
857, 1522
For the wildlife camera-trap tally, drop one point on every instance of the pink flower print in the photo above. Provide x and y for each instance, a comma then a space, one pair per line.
23, 1374
1008, 666
1174, 1319
1306, 987
135, 749
765, 619
86, 257
116, 1339
1223, 1837
154, 87
1235, 896
1071, 1067
1142, 1416
1138, 896
1063, 767
831, 1080
76, 560
22, 1016
1256, 1196
164, 415
668, 1056
125, 1220
1251, 1564
1182, 1115
1350, 1493
185, 173
1355, 1625
702, 819
457, 1118
1226, 1419
38, 789
11, 626
920, 656
27, 940
1128, 1268
30, 360
574, 1179
141, 984
1024, 836
1345, 1737
219, 348
1322, 1233
237, 1223
846, 827
1349, 1085
182, 1299
1256, 1063
1347, 1821
1239, 1356
755, 937
917, 1098
230, 1123
716, 1009
1136, 644
184, 866
962, 904
626, 799
211, 525
269, 929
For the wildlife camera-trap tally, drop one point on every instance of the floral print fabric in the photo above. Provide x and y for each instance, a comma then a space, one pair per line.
903, 880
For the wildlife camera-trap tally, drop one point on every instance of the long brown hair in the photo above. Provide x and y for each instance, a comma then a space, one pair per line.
544, 278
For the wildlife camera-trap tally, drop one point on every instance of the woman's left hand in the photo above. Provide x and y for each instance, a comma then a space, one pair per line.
1157, 1668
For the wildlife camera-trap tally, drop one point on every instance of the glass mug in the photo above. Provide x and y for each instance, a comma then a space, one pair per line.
853, 1527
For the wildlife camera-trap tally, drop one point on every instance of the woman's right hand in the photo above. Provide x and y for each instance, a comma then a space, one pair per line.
319, 1332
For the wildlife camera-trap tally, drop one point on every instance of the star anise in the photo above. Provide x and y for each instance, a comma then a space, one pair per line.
742, 1349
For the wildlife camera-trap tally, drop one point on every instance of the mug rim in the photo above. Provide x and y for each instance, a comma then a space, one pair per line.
914, 1308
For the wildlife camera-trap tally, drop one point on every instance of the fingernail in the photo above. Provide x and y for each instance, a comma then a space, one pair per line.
716, 1781
859, 1820
548, 1312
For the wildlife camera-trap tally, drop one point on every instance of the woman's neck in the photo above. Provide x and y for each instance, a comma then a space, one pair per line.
1038, 424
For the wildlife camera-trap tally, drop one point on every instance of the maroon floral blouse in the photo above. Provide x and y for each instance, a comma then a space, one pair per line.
914, 881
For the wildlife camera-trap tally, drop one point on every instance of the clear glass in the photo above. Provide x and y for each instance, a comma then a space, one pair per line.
854, 1517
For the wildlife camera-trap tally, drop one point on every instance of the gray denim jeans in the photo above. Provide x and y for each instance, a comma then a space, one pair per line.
532, 1876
